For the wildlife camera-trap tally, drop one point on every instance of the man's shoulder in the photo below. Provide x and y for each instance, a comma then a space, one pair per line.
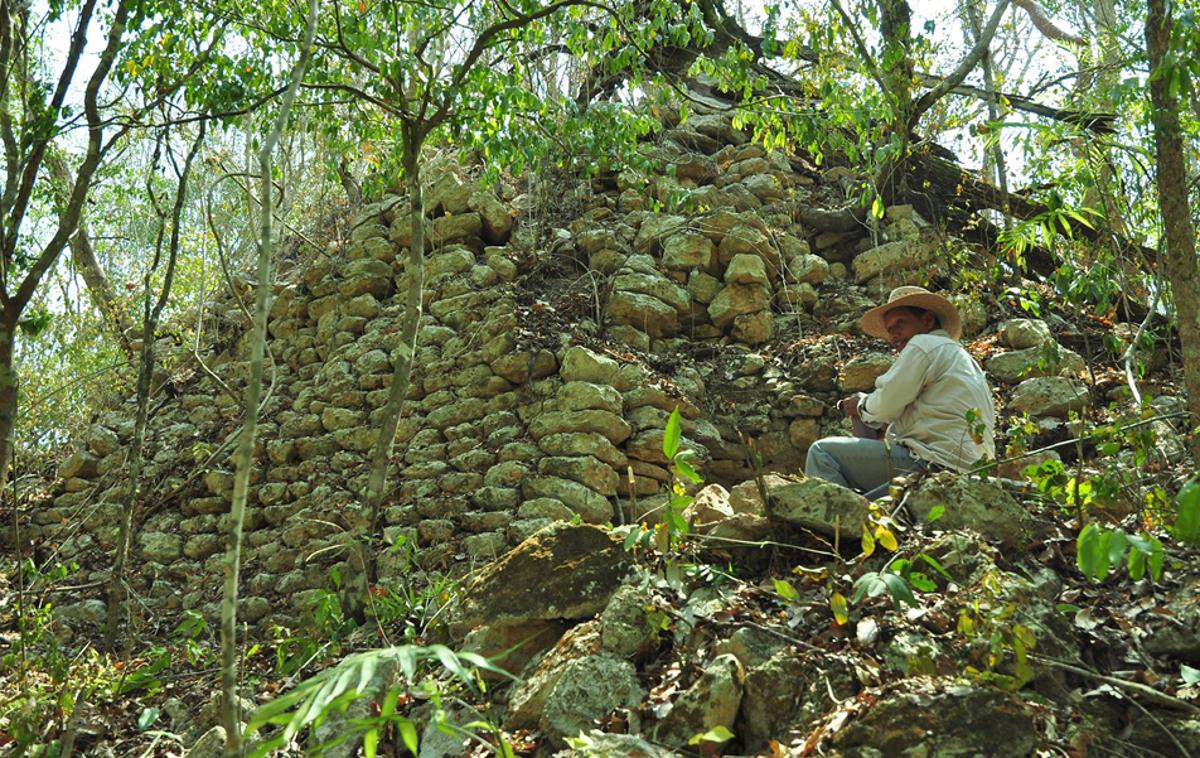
931, 341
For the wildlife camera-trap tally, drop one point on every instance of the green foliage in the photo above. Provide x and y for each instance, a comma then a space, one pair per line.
875, 583
361, 675
1099, 550
1186, 528
1000, 643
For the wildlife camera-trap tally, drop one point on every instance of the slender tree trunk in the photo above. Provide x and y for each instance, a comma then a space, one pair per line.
8, 389
116, 323
895, 18
244, 456
995, 149
151, 313
381, 453
1173, 203
103, 295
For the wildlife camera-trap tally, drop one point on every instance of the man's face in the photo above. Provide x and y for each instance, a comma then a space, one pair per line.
902, 324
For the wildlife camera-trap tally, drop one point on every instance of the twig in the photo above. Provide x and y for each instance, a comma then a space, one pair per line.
761, 543
1151, 694
1182, 750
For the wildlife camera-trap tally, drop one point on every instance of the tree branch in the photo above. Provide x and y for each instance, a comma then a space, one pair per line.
1046, 26
964, 67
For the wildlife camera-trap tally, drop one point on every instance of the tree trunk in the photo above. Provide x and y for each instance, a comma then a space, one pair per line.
381, 453
895, 18
1173, 203
8, 390
244, 457
116, 323
151, 313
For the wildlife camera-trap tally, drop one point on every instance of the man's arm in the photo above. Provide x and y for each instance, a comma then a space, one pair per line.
897, 388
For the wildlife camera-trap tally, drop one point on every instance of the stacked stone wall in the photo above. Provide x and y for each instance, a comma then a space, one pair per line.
699, 290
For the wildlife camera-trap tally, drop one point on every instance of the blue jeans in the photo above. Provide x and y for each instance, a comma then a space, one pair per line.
863, 465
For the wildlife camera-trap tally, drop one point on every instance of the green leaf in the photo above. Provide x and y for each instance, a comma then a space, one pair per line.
716, 734
1116, 547
1186, 528
877, 209
936, 566
670, 444
785, 590
898, 589
922, 582
1189, 674
686, 470
936, 512
408, 735
1068, 608
837, 603
1088, 551
147, 718
370, 743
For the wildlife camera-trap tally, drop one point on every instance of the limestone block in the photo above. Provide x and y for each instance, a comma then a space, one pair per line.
736, 299
655, 285
448, 193
946, 718
803, 432
486, 546
591, 472
587, 686
745, 268
496, 498
581, 364
434, 531
808, 268
333, 418
496, 217
80, 464
703, 287
655, 229
688, 250
612, 426
591, 506
892, 256
102, 441
532, 582
458, 412
860, 372
981, 505
546, 508
160, 546
1021, 333
766, 187
522, 366
1049, 396
815, 504
1015, 365
747, 239
579, 396
753, 328
643, 312
363, 276
712, 701
509, 473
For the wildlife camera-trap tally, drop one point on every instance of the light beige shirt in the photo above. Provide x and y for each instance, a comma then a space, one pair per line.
926, 396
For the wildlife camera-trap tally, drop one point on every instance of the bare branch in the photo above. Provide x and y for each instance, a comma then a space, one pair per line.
964, 67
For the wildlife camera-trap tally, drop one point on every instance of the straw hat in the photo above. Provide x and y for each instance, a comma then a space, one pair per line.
915, 297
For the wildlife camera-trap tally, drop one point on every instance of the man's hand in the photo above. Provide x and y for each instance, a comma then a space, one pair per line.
849, 405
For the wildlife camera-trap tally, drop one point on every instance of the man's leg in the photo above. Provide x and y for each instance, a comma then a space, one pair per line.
858, 463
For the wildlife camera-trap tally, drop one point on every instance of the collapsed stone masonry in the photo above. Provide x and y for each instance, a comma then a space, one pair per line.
690, 284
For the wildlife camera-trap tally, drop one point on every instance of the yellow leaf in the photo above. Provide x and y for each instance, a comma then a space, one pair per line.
886, 538
837, 603
868, 542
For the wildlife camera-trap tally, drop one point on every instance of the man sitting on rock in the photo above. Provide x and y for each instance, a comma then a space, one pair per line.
932, 409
